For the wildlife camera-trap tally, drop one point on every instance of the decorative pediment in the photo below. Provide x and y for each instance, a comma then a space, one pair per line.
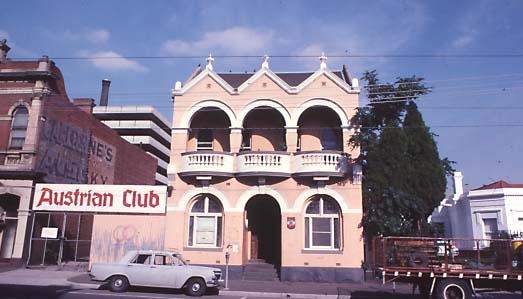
265, 71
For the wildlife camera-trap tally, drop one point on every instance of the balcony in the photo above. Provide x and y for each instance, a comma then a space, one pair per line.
207, 163
321, 163
263, 164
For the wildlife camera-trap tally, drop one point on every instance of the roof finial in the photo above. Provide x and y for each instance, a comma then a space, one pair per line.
323, 61
265, 64
210, 60
4, 48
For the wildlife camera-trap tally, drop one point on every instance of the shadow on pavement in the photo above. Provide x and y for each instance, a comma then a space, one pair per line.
24, 291
209, 291
382, 295
82, 278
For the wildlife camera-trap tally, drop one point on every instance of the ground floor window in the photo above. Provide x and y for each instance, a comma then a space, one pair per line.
322, 224
205, 222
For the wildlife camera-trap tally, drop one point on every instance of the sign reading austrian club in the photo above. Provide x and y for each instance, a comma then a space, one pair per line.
100, 198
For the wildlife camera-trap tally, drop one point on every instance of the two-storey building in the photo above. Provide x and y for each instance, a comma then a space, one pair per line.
45, 138
262, 170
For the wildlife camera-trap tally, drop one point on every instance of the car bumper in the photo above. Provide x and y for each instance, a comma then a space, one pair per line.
215, 283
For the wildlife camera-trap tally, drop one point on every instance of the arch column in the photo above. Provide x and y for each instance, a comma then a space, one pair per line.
347, 133
33, 125
291, 136
235, 139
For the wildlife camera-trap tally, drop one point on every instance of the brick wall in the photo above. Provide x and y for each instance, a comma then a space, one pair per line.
75, 147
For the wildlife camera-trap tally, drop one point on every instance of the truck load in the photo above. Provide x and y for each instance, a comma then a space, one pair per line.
450, 268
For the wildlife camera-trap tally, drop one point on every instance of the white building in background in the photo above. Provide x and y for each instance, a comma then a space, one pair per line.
143, 126
482, 212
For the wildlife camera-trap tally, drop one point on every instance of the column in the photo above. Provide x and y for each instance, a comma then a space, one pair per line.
236, 139
291, 135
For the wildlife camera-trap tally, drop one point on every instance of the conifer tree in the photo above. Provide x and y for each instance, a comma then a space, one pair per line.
425, 177
404, 179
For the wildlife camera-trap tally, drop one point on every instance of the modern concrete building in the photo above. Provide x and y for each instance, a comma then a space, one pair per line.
144, 127
45, 138
262, 170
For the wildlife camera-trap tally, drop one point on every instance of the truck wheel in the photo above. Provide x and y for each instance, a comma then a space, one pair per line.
453, 289
195, 287
118, 283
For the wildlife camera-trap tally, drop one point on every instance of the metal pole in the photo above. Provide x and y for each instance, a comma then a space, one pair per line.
61, 238
31, 239
45, 243
227, 255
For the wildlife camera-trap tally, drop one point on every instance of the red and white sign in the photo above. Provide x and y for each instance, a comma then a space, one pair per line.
100, 198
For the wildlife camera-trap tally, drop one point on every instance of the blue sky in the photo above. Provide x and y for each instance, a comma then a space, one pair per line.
475, 108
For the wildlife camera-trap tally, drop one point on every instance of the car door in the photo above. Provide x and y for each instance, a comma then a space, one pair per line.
180, 271
163, 271
139, 270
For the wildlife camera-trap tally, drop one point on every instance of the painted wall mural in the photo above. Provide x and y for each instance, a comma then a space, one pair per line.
101, 161
64, 151
112, 240
71, 154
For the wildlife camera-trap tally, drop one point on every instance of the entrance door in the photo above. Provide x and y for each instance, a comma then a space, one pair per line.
71, 243
264, 224
254, 247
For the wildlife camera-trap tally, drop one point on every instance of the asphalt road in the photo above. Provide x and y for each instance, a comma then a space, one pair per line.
55, 292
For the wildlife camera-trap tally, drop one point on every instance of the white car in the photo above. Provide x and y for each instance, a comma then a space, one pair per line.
148, 268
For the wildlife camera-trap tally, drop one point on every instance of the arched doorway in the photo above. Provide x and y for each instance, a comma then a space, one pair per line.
264, 226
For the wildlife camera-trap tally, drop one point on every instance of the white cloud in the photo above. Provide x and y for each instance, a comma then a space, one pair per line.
95, 36
112, 61
98, 36
235, 41
4, 34
464, 40
367, 32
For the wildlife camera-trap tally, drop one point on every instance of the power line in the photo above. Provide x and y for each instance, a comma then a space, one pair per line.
357, 55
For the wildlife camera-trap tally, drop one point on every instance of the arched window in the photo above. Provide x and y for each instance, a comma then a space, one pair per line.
205, 222
19, 127
322, 224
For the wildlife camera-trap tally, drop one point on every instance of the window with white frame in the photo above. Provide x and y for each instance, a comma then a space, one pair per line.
205, 222
204, 140
19, 128
490, 227
322, 224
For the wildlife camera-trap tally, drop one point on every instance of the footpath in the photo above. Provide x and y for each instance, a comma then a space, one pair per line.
53, 276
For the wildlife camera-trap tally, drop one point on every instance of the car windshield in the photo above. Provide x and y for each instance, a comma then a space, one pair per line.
179, 257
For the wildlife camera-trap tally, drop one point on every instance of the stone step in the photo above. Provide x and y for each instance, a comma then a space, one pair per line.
259, 270
259, 266
261, 277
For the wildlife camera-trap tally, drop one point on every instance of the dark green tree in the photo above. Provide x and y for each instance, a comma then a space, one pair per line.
393, 158
425, 178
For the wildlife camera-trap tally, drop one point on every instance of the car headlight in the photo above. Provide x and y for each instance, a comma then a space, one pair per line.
217, 274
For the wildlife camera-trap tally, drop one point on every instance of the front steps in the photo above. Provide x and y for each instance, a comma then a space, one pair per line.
259, 270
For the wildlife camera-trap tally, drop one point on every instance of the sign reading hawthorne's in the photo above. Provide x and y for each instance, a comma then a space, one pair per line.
100, 198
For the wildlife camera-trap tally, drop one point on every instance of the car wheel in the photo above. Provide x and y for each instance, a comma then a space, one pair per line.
453, 289
195, 287
118, 283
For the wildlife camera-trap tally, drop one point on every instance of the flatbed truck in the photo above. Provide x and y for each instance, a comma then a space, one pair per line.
445, 268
